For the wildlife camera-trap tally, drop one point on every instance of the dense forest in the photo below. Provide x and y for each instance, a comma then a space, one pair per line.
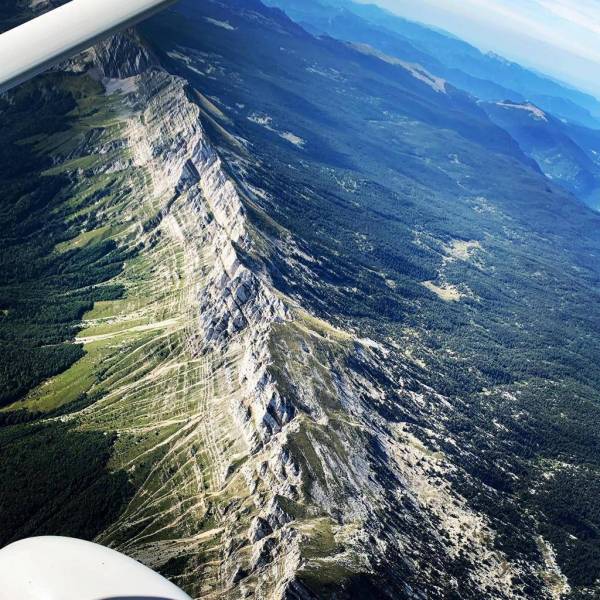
55, 476
43, 292
59, 481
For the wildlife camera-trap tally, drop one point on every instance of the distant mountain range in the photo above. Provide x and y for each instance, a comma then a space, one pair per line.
565, 152
487, 76
565, 145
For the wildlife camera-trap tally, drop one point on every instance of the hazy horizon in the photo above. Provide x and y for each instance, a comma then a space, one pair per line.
558, 37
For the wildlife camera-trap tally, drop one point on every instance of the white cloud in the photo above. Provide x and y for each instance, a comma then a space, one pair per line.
584, 14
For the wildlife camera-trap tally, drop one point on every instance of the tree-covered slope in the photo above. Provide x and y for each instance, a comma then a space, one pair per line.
567, 154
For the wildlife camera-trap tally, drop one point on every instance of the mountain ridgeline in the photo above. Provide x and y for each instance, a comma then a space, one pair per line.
297, 316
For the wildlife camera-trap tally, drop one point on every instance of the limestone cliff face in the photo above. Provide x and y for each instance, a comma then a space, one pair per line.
229, 311
266, 458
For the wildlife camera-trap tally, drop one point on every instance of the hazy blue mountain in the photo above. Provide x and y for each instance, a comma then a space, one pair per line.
549, 142
487, 76
567, 154
292, 317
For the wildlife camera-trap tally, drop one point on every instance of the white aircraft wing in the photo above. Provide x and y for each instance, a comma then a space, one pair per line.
63, 32
57, 568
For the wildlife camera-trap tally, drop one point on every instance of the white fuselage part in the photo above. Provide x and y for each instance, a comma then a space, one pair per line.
58, 568
45, 41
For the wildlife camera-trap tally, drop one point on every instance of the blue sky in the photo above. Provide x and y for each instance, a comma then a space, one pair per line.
559, 37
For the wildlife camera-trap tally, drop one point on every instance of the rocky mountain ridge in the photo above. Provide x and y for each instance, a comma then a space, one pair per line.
264, 542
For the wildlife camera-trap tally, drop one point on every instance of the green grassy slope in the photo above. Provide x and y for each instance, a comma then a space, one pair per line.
59, 477
44, 292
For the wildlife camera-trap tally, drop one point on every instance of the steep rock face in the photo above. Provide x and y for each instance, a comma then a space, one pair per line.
230, 308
